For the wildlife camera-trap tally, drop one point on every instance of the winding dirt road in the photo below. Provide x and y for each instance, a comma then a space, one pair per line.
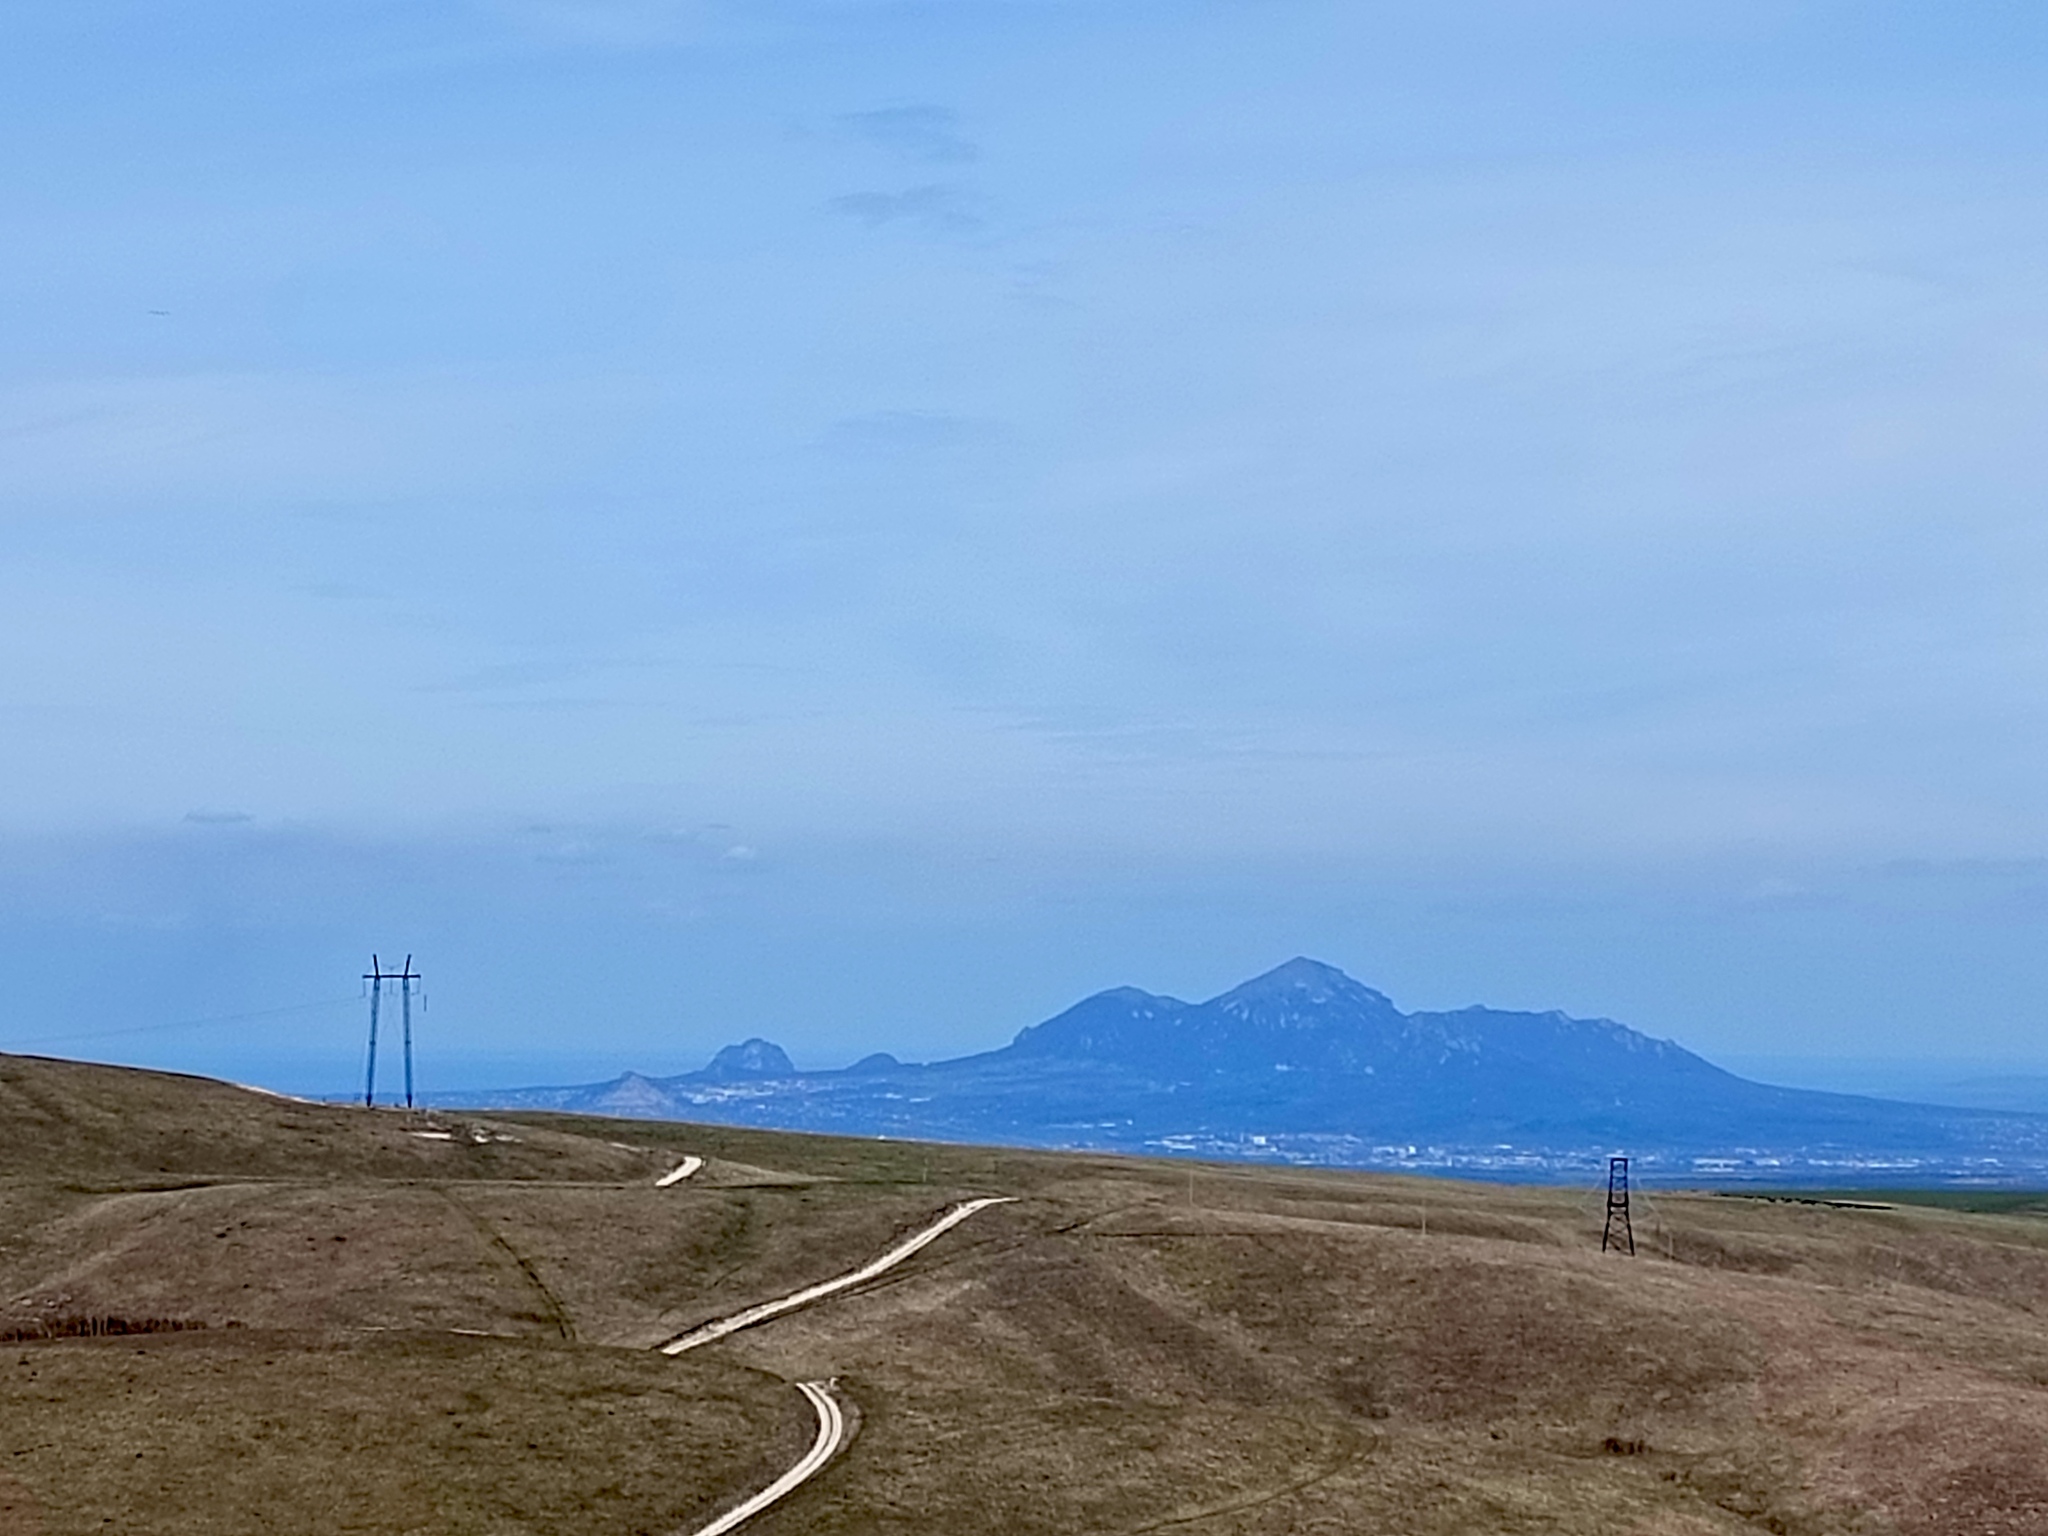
761, 1312
680, 1172
831, 1417
831, 1436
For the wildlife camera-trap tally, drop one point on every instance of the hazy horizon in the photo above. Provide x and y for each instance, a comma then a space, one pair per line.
863, 523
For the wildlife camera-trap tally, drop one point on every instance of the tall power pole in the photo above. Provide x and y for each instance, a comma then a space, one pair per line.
376, 976
1617, 1208
406, 978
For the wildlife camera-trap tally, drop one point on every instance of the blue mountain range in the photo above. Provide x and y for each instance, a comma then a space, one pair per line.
1306, 1065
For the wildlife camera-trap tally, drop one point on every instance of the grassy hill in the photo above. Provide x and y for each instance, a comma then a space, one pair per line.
342, 1320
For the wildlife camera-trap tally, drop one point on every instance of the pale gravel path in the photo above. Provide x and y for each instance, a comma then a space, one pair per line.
831, 1417
680, 1172
761, 1312
831, 1436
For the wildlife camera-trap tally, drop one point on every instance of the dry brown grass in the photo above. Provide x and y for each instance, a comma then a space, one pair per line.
1267, 1351
260, 1431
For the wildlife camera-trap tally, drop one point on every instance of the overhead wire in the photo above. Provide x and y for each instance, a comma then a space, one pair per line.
150, 1029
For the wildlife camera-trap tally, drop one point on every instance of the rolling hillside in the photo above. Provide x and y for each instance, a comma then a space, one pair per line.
343, 1320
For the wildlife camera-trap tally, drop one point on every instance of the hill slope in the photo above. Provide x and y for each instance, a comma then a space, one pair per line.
98, 1123
1131, 1347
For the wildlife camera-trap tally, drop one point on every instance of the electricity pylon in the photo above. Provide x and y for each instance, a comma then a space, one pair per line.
376, 976
1617, 1208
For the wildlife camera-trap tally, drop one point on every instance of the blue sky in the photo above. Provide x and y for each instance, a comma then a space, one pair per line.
863, 522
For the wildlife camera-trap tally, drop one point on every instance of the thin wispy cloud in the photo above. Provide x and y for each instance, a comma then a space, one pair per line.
923, 132
936, 206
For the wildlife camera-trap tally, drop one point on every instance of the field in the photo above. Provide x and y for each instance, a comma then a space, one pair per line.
227, 1312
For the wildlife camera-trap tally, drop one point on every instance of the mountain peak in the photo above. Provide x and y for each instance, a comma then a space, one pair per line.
1118, 1023
1308, 1064
751, 1058
1300, 980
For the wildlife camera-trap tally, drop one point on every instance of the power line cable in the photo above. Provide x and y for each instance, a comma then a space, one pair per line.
151, 1029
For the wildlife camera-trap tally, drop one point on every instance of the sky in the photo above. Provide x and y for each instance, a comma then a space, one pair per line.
862, 523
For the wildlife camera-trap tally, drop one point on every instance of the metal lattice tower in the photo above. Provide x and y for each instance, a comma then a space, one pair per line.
1618, 1233
376, 976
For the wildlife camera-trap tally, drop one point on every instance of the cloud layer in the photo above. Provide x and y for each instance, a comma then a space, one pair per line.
1294, 448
